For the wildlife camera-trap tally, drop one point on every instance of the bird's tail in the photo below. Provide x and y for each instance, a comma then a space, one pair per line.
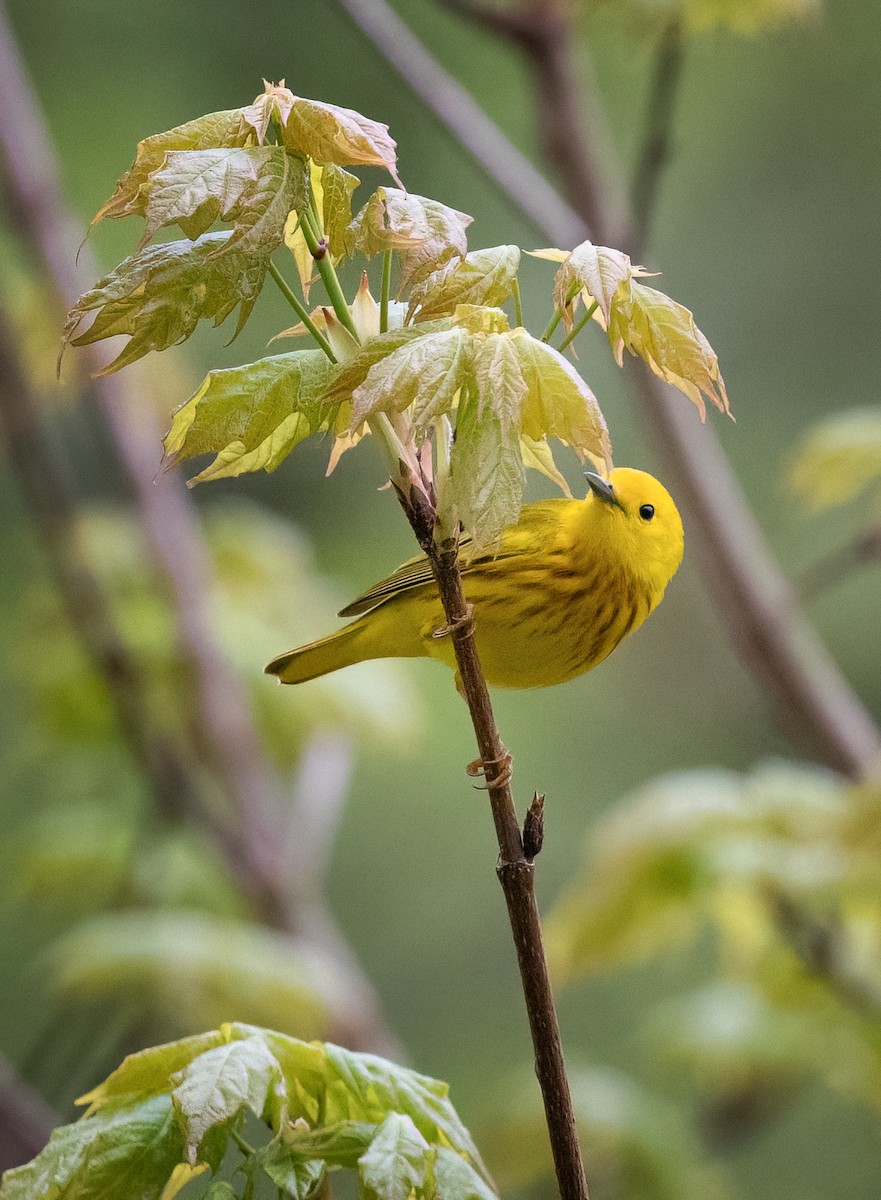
340, 649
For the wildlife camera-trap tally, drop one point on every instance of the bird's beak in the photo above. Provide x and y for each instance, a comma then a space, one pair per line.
602, 489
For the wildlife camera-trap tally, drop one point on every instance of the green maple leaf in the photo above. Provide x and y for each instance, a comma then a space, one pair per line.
483, 277
251, 417
160, 294
655, 328
396, 220
254, 187
330, 134
218, 129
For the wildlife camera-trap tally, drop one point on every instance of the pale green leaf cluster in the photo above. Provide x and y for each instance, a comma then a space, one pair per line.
460, 398
638, 1144
158, 296
640, 319
497, 387
251, 417
783, 867
838, 459
169, 1114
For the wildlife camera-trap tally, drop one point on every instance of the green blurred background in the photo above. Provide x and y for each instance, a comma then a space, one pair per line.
768, 230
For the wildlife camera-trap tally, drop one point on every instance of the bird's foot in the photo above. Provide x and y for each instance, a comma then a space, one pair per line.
501, 778
460, 623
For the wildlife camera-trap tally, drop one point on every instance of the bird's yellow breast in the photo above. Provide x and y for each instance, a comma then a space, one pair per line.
552, 609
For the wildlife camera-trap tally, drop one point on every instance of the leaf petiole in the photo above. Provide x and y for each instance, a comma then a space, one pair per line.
558, 314
518, 302
576, 329
385, 291
301, 311
318, 250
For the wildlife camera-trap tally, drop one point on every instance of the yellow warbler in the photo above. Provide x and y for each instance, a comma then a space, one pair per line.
566, 584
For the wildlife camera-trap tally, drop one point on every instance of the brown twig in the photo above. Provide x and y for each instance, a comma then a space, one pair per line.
515, 868
772, 634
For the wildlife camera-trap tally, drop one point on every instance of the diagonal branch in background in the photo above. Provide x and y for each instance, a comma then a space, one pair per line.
774, 637
252, 842
26, 1120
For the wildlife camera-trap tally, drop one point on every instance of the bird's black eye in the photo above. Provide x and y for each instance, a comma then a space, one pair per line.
647, 512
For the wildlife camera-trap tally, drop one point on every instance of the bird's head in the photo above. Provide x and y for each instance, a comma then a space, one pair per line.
636, 517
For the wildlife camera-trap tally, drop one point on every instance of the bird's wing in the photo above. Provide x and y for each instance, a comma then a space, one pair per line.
412, 574
538, 519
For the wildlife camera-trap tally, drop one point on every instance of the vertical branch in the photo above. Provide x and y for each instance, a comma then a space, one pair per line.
515, 868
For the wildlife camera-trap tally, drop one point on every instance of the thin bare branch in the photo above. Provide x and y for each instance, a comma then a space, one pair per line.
834, 568
657, 144
777, 642
455, 108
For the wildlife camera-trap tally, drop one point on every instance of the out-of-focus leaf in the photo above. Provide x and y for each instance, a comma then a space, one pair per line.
838, 458
425, 372
219, 129
742, 16
251, 417
159, 295
72, 854
481, 277
559, 403
702, 847
730, 1038
220, 1084
253, 187
656, 329
133, 1149
189, 969
637, 1144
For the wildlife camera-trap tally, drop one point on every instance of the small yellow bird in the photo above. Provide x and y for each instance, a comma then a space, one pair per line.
566, 584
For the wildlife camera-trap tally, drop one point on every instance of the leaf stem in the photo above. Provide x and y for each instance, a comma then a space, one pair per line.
245, 1147
518, 302
329, 277
576, 329
300, 310
558, 314
385, 291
